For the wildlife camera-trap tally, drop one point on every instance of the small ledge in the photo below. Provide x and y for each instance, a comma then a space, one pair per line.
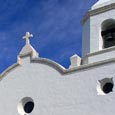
101, 51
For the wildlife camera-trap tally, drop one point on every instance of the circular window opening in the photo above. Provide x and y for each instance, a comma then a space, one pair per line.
25, 106
108, 87
105, 86
28, 107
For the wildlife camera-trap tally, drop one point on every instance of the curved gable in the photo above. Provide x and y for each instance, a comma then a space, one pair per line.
44, 61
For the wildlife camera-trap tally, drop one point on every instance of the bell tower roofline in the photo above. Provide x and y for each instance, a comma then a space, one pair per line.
102, 3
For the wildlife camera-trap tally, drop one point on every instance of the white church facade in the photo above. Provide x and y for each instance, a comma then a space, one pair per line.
38, 86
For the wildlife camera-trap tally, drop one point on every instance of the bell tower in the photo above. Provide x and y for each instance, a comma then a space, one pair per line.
99, 32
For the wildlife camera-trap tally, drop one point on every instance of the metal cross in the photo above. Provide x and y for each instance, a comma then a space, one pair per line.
27, 37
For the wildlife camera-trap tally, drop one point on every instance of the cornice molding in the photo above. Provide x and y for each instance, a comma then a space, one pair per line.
97, 11
58, 67
101, 51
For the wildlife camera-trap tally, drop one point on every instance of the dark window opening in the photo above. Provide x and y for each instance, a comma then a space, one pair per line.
108, 87
28, 107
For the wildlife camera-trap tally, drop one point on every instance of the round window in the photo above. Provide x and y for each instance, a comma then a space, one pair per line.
105, 86
25, 106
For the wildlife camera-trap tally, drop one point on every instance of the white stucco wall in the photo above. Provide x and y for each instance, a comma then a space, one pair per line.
55, 93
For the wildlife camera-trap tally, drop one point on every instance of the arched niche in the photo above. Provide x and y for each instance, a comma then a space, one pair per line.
108, 33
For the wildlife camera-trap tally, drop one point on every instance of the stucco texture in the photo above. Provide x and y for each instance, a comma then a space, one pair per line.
55, 93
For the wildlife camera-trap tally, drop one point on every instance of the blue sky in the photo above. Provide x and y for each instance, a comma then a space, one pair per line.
55, 25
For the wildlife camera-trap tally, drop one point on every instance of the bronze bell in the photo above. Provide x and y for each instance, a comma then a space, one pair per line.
108, 37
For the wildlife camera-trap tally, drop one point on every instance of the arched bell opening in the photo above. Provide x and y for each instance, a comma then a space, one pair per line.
108, 33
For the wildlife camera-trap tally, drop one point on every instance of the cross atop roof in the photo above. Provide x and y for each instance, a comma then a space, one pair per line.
27, 37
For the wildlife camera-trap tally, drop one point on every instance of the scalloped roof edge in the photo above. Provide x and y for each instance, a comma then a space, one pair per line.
57, 66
